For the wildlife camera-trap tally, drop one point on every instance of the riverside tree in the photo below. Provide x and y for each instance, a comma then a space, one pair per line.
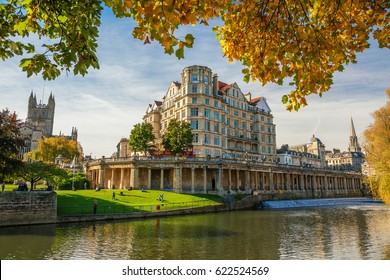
10, 142
302, 41
141, 138
377, 147
178, 137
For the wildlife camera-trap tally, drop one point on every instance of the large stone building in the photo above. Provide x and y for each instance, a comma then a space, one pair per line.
351, 160
309, 154
226, 122
234, 144
39, 124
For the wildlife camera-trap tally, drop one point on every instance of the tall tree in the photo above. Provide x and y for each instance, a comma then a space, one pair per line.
50, 148
141, 138
303, 41
377, 146
178, 137
10, 142
34, 172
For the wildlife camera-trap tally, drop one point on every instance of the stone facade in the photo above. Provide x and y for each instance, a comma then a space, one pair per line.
226, 123
221, 176
25, 208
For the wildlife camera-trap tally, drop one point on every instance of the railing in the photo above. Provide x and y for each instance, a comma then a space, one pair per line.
128, 209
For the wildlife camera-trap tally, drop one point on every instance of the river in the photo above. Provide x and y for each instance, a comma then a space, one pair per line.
343, 232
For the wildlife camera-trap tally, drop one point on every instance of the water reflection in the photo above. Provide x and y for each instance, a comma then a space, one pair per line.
322, 233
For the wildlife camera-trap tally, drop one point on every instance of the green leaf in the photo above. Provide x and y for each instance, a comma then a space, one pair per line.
179, 53
284, 99
189, 40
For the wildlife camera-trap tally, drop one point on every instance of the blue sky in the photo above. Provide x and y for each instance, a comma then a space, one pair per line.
105, 104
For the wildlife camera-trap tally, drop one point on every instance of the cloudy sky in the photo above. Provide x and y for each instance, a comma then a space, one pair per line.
105, 104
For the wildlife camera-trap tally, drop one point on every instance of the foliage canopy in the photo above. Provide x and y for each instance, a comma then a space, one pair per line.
301, 40
141, 138
377, 146
50, 148
10, 142
178, 137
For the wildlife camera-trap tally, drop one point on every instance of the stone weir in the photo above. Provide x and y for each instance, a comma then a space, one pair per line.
221, 176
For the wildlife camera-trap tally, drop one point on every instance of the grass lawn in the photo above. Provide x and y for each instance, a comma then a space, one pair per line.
81, 201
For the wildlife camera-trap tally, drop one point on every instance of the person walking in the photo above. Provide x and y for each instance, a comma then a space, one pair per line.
95, 206
2, 187
113, 195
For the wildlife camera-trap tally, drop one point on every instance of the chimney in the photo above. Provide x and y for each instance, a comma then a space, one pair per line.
215, 84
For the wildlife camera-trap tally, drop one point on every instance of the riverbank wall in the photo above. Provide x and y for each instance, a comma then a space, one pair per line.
40, 207
26, 208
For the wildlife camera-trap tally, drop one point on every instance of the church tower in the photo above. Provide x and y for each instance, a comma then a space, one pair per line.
41, 116
353, 140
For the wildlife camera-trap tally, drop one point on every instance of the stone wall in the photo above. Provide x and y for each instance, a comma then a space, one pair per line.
25, 208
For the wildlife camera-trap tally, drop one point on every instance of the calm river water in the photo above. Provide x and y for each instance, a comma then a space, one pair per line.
348, 232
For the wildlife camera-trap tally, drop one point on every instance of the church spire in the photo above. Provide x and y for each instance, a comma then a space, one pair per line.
353, 141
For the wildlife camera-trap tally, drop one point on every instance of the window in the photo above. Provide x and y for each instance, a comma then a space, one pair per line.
215, 103
244, 115
223, 142
206, 90
194, 124
195, 78
236, 133
269, 129
207, 101
206, 79
236, 123
228, 121
194, 100
207, 113
222, 118
194, 88
236, 113
216, 140
234, 103
196, 138
216, 115
262, 128
228, 132
262, 118
194, 112
207, 125
183, 113
207, 138
216, 127
223, 130
244, 125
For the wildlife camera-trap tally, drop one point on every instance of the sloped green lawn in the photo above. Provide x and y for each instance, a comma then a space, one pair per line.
81, 201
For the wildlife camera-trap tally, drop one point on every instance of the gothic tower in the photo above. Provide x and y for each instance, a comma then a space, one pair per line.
41, 116
353, 140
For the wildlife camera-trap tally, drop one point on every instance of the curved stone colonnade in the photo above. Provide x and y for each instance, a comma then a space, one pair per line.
221, 176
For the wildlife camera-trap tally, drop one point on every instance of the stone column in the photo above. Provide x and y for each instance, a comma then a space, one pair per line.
205, 179
247, 180
112, 178
192, 179
238, 178
121, 180
162, 179
219, 179
149, 178
271, 180
230, 179
134, 177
